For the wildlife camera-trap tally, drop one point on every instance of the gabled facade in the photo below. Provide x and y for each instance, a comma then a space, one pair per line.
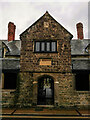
45, 54
51, 66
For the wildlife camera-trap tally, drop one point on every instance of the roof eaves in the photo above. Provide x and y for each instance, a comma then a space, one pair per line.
6, 46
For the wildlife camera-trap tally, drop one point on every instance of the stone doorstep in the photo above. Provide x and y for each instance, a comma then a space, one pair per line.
7, 111
85, 112
46, 106
44, 112
46, 117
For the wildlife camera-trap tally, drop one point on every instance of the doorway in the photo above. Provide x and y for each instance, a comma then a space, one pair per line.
45, 91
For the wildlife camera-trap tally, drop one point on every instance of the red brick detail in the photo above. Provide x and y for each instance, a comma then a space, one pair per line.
80, 31
11, 31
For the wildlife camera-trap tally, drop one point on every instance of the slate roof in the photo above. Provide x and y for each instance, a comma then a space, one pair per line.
81, 64
78, 46
10, 64
16, 42
14, 47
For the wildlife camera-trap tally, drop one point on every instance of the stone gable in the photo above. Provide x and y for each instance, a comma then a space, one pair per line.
46, 28
51, 64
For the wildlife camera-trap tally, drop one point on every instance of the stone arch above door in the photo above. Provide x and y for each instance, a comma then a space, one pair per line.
37, 76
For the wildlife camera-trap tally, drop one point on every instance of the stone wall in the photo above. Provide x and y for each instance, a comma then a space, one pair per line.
47, 28
8, 98
81, 99
65, 95
62, 87
28, 89
25, 89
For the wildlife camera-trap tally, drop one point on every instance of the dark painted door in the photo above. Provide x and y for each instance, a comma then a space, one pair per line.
45, 91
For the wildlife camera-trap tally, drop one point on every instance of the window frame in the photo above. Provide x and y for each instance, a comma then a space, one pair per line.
45, 51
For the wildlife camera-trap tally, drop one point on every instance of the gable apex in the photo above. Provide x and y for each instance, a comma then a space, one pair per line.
46, 12
45, 17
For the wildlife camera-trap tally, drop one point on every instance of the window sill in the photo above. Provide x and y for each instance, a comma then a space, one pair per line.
45, 52
82, 91
8, 90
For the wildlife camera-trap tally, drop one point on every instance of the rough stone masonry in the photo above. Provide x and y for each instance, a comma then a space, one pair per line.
48, 29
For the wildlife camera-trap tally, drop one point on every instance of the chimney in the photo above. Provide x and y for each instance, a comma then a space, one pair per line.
80, 31
11, 31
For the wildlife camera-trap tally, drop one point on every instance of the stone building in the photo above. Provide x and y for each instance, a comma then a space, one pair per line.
46, 67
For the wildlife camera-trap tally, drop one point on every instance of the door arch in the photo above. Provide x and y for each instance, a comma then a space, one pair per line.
45, 90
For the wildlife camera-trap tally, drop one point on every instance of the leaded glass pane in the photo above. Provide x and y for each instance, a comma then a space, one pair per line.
53, 46
37, 46
42, 46
48, 46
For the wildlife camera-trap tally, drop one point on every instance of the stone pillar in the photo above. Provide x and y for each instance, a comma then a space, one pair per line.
35, 92
56, 93
2, 83
25, 90
73, 81
66, 89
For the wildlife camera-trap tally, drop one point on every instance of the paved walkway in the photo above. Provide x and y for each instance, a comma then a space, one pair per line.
45, 113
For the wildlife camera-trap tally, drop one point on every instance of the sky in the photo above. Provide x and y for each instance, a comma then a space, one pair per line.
25, 12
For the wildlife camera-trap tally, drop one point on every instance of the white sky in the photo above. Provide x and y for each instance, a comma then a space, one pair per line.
25, 12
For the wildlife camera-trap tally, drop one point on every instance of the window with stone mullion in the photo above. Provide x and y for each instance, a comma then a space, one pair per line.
53, 46
42, 46
45, 46
48, 46
37, 46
